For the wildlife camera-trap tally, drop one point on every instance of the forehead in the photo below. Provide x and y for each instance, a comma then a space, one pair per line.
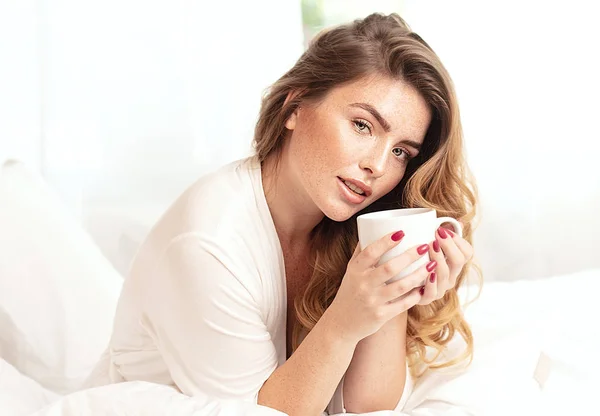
397, 101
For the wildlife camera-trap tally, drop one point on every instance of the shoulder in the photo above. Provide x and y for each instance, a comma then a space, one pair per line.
217, 237
222, 201
218, 198
223, 213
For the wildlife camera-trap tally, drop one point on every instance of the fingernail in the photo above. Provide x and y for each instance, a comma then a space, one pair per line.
423, 249
442, 232
397, 236
436, 246
450, 232
432, 277
431, 265
422, 291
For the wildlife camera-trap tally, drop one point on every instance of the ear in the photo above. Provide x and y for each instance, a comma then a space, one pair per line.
290, 123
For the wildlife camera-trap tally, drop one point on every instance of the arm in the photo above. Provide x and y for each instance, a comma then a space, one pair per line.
379, 361
208, 325
377, 374
305, 383
438, 392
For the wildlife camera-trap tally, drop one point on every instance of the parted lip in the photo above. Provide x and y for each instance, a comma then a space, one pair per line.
365, 188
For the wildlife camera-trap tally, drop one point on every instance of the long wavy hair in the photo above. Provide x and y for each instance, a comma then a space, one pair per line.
438, 178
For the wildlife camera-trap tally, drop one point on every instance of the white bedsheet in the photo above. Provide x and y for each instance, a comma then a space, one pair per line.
142, 398
553, 317
20, 395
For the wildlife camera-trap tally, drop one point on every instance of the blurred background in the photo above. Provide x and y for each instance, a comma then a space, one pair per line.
120, 105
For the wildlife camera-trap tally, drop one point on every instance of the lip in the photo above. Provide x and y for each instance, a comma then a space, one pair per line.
350, 196
365, 188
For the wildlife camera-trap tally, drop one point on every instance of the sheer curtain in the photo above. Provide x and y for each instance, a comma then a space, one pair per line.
526, 73
20, 84
122, 103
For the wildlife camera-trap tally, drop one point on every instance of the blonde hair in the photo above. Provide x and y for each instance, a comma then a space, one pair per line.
438, 178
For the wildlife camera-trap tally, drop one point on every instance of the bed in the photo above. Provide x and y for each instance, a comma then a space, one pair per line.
535, 339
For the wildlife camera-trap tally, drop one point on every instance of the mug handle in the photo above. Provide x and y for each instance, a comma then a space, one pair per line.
457, 227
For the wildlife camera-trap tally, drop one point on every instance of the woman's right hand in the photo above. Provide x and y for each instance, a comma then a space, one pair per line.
364, 302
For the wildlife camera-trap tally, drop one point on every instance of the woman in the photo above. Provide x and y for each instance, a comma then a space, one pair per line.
252, 285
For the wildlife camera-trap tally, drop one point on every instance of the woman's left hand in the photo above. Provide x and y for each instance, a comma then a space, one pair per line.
451, 253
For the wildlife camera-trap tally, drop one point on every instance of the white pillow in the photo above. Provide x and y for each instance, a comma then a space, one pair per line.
507, 347
498, 382
569, 368
58, 293
20, 395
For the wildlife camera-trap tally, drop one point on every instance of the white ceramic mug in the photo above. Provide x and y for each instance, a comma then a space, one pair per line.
419, 226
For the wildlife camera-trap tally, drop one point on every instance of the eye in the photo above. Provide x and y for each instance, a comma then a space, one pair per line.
401, 152
362, 126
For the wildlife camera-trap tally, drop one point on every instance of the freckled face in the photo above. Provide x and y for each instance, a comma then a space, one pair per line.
367, 130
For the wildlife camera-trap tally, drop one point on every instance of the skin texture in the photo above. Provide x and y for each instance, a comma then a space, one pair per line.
362, 334
324, 142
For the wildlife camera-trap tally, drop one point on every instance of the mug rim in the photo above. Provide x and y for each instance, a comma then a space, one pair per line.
386, 213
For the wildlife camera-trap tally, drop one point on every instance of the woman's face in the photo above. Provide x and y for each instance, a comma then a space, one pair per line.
363, 132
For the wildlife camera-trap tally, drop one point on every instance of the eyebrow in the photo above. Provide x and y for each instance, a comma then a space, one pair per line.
384, 123
368, 107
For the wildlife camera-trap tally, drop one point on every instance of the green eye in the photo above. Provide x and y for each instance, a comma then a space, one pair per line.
362, 126
401, 151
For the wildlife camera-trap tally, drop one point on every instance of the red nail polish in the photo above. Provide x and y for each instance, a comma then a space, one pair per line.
431, 265
397, 236
423, 249
436, 246
432, 278
422, 290
442, 232
450, 232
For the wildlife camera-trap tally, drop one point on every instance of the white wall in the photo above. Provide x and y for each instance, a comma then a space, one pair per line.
20, 87
140, 90
527, 76
121, 104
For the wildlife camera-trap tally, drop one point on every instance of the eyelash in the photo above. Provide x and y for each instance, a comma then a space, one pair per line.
366, 124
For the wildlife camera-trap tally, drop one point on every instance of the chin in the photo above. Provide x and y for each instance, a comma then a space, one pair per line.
338, 218
339, 213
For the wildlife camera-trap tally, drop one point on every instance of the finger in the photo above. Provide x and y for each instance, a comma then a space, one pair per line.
436, 253
374, 251
430, 290
403, 304
442, 269
402, 286
463, 245
394, 266
454, 257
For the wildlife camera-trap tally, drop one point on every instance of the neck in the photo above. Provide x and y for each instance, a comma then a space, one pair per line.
294, 213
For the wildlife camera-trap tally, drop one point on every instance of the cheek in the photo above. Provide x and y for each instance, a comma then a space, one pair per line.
318, 141
393, 180
307, 138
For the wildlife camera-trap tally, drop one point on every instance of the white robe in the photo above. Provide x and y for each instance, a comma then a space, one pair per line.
204, 305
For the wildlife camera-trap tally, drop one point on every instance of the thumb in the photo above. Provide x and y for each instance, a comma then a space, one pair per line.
356, 250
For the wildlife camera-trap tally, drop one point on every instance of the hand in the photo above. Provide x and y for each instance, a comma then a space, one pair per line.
364, 302
451, 253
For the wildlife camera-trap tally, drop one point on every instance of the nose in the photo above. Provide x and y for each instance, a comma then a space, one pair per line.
374, 161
